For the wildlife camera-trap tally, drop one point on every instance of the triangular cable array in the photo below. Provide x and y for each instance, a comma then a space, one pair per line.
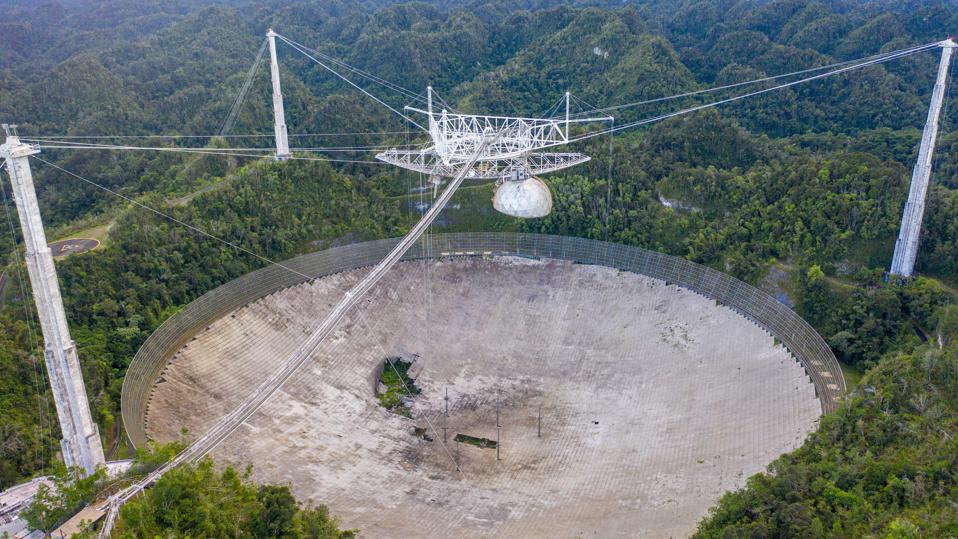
247, 84
306, 52
584, 108
867, 60
847, 66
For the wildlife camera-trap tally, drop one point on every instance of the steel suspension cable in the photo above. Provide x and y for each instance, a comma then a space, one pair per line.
351, 83
661, 117
110, 137
882, 56
551, 110
234, 152
443, 102
586, 106
247, 84
889, 55
43, 410
235, 418
365, 74
170, 218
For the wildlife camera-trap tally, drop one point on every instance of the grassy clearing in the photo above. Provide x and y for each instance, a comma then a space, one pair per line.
206, 188
94, 229
99, 232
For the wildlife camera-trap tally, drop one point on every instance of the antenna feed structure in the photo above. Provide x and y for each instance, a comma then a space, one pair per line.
512, 153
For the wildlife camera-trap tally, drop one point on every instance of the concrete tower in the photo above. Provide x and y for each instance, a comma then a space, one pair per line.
81, 438
906, 247
279, 113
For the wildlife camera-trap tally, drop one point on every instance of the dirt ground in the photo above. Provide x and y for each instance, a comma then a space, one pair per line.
654, 400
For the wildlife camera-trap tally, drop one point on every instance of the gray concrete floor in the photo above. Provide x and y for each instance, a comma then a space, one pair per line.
654, 400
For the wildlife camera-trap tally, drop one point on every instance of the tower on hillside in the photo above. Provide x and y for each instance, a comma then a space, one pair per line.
279, 114
81, 439
906, 248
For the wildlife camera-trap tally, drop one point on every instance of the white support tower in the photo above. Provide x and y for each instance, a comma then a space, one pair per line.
81, 439
906, 248
279, 113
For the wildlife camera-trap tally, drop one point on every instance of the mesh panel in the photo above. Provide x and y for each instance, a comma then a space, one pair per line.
780, 321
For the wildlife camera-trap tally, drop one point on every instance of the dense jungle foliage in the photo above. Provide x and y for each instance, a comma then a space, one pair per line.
195, 500
198, 500
798, 191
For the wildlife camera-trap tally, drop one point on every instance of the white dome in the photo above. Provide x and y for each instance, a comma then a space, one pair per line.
524, 198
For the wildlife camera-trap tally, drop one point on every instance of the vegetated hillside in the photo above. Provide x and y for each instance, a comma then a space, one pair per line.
180, 72
193, 500
809, 181
197, 500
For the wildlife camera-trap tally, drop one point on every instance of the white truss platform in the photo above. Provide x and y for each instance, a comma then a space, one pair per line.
429, 162
516, 150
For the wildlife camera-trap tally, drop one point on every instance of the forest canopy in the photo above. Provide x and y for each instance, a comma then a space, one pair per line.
798, 191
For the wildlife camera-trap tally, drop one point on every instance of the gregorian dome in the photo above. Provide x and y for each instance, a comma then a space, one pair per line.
527, 197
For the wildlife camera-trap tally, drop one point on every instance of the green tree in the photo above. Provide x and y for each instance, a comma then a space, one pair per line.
275, 517
195, 500
71, 492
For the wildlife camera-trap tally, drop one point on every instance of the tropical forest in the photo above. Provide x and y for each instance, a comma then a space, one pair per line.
798, 192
